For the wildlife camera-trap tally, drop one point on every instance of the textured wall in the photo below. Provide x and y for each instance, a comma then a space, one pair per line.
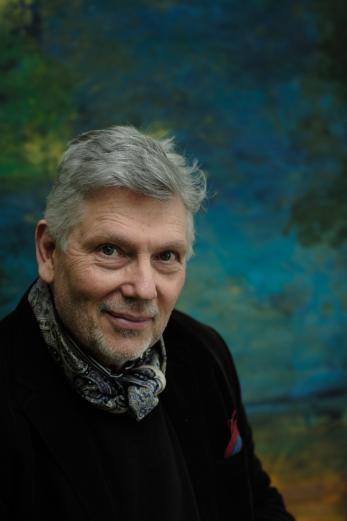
257, 92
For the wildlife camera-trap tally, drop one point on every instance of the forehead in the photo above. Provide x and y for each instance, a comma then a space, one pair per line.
113, 211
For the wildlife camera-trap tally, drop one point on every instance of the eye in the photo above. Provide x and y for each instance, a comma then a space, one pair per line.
168, 256
109, 250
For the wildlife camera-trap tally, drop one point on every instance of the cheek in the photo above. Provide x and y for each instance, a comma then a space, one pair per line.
92, 282
170, 294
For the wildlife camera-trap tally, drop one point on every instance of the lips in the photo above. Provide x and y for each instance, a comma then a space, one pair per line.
128, 321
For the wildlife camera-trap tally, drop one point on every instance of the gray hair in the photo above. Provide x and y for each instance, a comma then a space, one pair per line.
121, 157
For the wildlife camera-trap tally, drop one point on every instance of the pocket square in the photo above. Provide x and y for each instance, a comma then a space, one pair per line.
235, 443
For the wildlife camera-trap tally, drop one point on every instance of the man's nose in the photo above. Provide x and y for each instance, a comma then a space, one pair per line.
140, 280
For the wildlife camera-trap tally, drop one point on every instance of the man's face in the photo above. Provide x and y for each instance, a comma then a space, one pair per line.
118, 279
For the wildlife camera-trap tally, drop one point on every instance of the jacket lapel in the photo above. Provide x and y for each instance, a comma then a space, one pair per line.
50, 405
183, 402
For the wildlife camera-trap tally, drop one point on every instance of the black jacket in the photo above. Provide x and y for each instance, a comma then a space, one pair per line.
51, 469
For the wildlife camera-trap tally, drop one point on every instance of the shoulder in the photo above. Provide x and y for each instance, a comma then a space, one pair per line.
8, 327
184, 328
11, 328
18, 331
192, 341
12, 325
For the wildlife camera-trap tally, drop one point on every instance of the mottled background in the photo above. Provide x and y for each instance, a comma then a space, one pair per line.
257, 92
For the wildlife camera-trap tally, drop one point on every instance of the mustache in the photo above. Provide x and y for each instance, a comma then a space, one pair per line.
138, 306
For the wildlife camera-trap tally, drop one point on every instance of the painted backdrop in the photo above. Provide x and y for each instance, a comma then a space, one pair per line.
257, 92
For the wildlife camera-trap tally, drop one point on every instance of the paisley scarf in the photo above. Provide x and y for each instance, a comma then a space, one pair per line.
133, 390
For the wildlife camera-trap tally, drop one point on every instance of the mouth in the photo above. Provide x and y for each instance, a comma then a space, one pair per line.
128, 321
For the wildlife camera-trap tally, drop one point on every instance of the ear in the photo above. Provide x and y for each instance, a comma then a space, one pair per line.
45, 248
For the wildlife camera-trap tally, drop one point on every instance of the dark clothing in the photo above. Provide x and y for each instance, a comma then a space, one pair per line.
62, 459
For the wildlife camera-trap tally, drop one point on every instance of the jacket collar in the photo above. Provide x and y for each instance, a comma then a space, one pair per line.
184, 399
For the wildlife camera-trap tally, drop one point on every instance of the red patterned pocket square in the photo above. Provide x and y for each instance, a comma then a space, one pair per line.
235, 443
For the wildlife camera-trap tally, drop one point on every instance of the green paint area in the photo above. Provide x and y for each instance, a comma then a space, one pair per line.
319, 215
305, 451
36, 109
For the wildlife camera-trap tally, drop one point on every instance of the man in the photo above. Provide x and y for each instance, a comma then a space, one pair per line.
116, 406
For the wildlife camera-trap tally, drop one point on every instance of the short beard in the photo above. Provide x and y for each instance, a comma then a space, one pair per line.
99, 348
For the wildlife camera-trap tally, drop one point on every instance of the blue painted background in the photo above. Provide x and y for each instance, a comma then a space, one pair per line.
257, 92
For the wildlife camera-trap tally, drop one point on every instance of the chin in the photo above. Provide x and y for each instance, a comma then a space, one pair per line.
110, 354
